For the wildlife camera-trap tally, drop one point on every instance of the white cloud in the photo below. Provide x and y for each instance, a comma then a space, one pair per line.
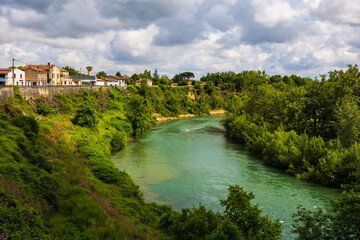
305, 37
272, 12
345, 12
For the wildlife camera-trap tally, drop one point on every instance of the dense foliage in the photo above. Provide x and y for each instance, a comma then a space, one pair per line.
310, 129
341, 222
57, 180
241, 220
249, 80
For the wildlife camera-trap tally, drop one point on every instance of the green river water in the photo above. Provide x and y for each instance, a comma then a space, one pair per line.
185, 162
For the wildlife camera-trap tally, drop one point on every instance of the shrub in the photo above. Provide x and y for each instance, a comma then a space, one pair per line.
119, 140
86, 117
45, 109
121, 125
29, 125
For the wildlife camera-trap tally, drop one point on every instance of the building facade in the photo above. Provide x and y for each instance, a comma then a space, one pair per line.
35, 76
54, 76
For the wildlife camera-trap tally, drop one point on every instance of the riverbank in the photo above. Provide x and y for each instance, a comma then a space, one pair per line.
205, 164
182, 116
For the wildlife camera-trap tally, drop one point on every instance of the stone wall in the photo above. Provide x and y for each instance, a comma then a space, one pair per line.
5, 93
48, 91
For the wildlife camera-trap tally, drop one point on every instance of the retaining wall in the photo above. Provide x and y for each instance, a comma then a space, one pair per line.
47, 91
5, 93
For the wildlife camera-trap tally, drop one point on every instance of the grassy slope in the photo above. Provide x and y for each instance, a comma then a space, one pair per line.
68, 201
60, 183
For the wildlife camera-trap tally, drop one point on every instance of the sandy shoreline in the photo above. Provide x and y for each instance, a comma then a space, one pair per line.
163, 119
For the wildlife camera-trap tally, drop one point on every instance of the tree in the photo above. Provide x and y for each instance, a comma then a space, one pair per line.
188, 75
247, 216
183, 83
145, 75
240, 221
341, 222
72, 71
348, 120
139, 115
135, 77
101, 74
177, 78
118, 74
86, 117
164, 80
156, 76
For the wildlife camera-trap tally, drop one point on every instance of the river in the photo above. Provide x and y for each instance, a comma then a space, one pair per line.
184, 162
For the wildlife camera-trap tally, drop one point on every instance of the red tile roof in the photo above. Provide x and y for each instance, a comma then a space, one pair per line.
116, 77
42, 67
4, 70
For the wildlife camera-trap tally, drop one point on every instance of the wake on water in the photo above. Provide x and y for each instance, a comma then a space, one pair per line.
211, 129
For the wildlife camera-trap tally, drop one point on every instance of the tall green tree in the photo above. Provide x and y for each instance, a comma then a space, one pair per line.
341, 222
188, 75
139, 114
101, 74
247, 217
348, 121
156, 76
72, 71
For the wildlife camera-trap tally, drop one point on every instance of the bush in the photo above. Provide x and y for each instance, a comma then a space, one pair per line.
29, 125
121, 125
86, 117
119, 140
241, 220
45, 109
341, 222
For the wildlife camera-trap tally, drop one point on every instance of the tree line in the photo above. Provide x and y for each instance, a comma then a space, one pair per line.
69, 176
311, 131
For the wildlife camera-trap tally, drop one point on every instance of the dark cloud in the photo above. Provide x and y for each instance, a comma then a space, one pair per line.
38, 5
135, 13
261, 34
210, 15
73, 20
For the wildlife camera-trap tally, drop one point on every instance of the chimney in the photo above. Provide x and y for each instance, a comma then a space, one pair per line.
48, 64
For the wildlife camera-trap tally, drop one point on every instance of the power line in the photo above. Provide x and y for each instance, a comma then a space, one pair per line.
20, 61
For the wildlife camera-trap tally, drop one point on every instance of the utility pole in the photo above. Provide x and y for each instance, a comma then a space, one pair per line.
80, 78
13, 70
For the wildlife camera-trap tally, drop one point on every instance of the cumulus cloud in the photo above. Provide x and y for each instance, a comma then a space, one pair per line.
345, 12
272, 12
134, 45
304, 37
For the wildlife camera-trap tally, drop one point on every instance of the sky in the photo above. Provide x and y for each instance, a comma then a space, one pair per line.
302, 37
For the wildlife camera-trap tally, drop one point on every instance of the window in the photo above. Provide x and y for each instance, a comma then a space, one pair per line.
14, 75
20, 76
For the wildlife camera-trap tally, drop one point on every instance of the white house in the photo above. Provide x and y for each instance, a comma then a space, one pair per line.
6, 77
102, 81
117, 81
84, 80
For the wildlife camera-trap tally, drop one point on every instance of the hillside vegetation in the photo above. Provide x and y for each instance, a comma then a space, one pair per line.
311, 130
58, 180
